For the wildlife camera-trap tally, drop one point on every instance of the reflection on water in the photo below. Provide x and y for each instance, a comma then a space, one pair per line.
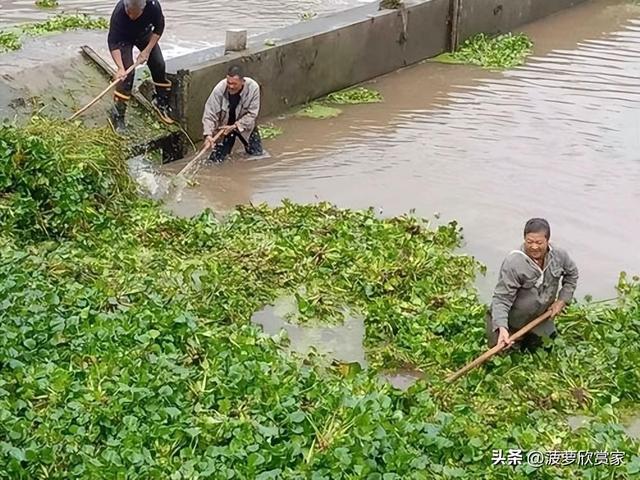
341, 342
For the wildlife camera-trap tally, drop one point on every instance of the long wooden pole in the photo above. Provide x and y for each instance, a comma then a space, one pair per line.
199, 155
103, 93
490, 353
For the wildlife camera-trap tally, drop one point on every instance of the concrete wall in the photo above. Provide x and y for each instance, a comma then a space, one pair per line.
306, 66
329, 53
501, 16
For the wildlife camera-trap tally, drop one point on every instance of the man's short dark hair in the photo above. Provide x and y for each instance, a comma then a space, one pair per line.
235, 71
538, 225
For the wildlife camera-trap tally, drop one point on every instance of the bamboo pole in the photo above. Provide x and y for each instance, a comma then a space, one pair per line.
490, 353
199, 155
103, 93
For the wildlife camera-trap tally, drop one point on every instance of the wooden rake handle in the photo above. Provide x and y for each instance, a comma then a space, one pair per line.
102, 94
490, 353
202, 151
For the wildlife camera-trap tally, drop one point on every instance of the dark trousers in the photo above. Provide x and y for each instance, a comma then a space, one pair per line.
155, 63
252, 147
529, 342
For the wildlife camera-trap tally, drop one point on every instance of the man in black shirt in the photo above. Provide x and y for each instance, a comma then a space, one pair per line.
138, 23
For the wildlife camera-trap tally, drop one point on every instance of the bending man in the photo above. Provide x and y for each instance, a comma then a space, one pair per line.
138, 23
528, 286
233, 105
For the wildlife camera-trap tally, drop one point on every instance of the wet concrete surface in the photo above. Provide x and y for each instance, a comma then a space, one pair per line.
558, 137
191, 24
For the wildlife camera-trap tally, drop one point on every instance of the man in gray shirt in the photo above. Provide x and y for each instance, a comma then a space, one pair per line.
233, 105
528, 286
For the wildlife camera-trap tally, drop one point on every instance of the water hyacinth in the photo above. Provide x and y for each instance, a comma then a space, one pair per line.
355, 96
318, 110
47, 3
10, 39
502, 51
269, 131
128, 352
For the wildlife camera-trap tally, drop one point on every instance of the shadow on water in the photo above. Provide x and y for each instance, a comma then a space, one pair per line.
341, 344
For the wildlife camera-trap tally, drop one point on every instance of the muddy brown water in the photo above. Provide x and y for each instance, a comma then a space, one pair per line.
558, 137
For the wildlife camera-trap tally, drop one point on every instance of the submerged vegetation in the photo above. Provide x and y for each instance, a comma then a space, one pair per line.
323, 108
269, 131
10, 38
47, 3
127, 349
354, 96
502, 51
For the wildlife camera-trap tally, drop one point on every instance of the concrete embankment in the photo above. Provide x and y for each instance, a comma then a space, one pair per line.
293, 65
305, 61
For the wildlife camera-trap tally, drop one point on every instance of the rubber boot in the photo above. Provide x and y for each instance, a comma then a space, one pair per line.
117, 116
161, 101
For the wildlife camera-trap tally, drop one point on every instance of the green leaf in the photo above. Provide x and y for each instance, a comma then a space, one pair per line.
297, 417
254, 460
173, 412
633, 467
165, 391
269, 475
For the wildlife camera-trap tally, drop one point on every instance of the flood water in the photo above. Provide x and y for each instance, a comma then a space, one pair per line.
558, 137
190, 24
341, 343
